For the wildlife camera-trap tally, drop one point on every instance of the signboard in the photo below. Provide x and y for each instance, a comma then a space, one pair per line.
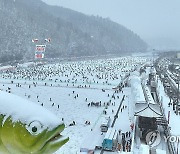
40, 50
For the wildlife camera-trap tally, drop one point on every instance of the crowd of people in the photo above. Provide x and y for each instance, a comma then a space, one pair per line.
100, 74
125, 141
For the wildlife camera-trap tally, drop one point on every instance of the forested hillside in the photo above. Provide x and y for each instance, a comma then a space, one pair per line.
72, 33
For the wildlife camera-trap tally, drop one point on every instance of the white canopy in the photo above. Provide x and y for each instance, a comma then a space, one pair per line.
148, 110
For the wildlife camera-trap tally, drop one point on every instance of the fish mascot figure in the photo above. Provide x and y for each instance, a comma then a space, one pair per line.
28, 128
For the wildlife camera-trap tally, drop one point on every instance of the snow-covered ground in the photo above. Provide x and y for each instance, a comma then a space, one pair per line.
67, 88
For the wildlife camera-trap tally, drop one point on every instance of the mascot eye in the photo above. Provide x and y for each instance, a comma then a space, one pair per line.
35, 127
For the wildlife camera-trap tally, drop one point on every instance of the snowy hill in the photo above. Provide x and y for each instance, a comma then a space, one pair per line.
72, 33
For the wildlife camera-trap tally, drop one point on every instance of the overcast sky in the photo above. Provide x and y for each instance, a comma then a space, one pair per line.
156, 21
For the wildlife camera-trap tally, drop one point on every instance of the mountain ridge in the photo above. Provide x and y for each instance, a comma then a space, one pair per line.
72, 33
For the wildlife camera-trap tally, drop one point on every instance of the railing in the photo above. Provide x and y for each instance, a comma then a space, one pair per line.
116, 115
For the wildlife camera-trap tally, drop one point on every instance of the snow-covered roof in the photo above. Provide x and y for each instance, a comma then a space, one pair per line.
135, 79
138, 95
111, 133
137, 91
105, 121
148, 95
148, 110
